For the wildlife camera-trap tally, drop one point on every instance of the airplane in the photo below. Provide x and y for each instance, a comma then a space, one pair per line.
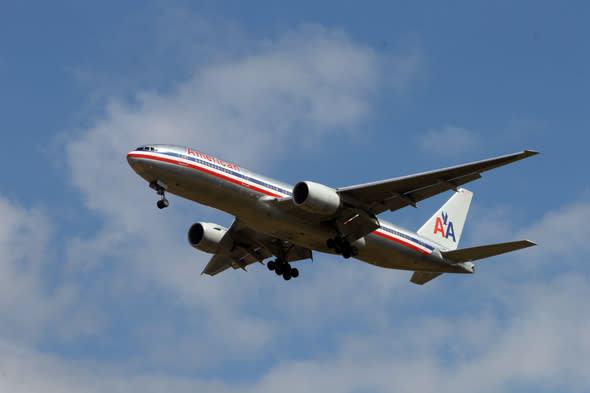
276, 220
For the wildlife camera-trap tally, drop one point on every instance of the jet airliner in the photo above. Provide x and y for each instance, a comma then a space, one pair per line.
285, 223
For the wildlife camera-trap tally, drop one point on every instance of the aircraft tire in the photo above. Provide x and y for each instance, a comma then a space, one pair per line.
354, 251
281, 266
341, 243
330, 243
294, 272
287, 275
271, 265
346, 254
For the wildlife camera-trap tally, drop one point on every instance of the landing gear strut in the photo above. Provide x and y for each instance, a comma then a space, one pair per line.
160, 188
342, 246
282, 268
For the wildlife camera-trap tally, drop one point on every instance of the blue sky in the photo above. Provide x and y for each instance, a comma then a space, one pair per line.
99, 290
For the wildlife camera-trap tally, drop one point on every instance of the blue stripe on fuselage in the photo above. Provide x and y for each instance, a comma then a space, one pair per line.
229, 171
273, 187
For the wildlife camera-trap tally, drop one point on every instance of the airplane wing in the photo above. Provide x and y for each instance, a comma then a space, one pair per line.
362, 203
251, 246
396, 193
422, 278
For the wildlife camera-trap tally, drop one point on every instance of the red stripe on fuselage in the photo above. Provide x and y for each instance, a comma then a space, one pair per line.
205, 170
258, 189
410, 245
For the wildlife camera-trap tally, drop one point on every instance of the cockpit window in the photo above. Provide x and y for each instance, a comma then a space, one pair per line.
145, 148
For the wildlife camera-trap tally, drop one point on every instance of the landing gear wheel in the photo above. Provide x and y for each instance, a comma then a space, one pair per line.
160, 188
330, 243
342, 246
280, 266
341, 243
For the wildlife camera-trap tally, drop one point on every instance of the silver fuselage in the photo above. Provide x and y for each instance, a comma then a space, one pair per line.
209, 181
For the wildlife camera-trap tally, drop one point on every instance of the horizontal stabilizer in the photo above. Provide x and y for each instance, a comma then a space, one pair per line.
422, 278
481, 252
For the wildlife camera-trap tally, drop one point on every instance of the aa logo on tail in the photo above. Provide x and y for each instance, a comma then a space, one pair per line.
442, 223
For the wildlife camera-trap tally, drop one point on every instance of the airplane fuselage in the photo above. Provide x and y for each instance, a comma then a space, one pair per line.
228, 187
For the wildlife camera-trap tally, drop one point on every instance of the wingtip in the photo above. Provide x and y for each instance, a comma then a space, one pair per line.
531, 152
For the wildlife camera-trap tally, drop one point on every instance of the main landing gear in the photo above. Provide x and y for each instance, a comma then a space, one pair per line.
342, 246
283, 268
160, 188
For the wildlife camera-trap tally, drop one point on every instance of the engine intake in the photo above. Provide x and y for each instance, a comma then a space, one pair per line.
210, 238
316, 198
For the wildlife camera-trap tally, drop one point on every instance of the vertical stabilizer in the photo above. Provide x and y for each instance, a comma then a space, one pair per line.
446, 226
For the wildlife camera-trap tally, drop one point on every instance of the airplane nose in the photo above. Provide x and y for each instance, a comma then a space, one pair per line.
130, 159
134, 162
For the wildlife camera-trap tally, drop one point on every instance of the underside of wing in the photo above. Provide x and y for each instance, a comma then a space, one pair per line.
250, 247
396, 193
422, 278
217, 264
353, 210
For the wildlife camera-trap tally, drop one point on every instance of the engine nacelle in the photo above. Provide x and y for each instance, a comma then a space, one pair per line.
316, 198
210, 238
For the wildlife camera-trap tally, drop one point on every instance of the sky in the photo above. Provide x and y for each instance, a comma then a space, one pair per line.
100, 291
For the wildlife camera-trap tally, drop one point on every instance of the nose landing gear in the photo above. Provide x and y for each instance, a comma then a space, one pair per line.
162, 203
160, 188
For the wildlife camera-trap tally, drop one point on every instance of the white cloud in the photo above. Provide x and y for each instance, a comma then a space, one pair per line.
564, 231
301, 87
25, 370
542, 342
381, 333
292, 91
403, 70
289, 93
490, 224
27, 305
560, 235
306, 84
449, 140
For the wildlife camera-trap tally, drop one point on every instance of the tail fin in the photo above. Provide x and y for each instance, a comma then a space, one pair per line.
446, 225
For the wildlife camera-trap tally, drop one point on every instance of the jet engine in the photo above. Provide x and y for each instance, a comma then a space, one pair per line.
210, 238
316, 198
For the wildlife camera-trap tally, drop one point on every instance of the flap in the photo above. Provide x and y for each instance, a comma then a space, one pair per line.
422, 278
251, 246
